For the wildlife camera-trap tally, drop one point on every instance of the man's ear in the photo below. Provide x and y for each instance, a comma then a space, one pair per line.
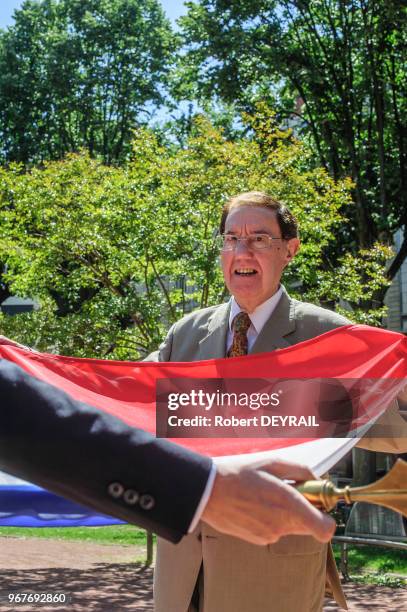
293, 246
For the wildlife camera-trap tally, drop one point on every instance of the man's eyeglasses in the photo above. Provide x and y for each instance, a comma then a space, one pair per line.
254, 242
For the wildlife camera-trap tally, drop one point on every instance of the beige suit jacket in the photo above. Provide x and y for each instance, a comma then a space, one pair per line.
288, 576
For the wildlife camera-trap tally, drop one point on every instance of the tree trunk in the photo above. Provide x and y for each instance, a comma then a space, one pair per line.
364, 467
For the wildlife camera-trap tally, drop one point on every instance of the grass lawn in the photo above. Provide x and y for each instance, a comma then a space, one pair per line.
115, 534
374, 559
376, 565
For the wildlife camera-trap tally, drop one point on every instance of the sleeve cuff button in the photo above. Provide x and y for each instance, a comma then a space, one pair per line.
115, 490
131, 497
147, 502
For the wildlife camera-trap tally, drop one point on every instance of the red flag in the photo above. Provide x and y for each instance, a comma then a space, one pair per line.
128, 389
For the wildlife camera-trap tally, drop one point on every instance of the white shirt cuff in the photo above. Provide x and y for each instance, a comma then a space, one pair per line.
204, 499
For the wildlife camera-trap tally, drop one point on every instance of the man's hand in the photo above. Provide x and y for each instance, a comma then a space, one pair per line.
252, 503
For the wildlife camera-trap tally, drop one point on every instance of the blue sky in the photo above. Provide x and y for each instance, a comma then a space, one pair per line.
173, 8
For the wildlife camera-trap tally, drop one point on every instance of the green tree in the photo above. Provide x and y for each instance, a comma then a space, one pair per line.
115, 254
80, 73
345, 60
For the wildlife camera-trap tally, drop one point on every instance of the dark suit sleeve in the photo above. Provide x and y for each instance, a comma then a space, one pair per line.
95, 459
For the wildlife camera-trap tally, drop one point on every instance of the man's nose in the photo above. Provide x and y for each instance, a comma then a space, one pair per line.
242, 247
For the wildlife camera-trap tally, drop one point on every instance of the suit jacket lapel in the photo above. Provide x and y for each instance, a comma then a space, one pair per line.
272, 336
279, 325
213, 345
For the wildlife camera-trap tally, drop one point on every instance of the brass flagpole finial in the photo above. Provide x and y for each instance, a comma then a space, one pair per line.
389, 491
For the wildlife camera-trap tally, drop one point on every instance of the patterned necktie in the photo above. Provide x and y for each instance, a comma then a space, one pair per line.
240, 325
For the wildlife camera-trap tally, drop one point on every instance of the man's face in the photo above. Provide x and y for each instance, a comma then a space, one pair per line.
253, 276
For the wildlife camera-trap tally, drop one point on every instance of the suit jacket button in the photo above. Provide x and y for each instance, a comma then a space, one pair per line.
131, 497
115, 489
147, 501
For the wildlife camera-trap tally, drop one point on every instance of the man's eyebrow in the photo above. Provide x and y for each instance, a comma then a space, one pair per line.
259, 231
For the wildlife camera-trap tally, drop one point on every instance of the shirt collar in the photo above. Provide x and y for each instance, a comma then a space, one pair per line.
261, 314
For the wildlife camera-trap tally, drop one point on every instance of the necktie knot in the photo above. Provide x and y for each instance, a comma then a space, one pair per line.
240, 325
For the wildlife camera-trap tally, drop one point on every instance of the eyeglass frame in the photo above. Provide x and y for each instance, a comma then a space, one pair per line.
238, 239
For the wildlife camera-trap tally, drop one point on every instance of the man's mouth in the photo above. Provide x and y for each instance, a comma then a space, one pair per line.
245, 272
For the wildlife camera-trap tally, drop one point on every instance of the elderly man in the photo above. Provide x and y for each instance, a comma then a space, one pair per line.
209, 571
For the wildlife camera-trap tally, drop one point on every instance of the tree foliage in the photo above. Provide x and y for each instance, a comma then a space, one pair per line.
115, 254
80, 73
346, 61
